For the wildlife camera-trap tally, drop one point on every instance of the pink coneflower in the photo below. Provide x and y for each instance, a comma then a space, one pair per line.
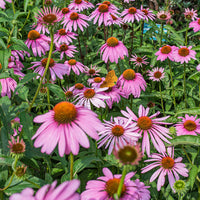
184, 54
78, 88
156, 74
92, 71
109, 4
74, 65
115, 20
150, 126
75, 20
66, 126
65, 49
38, 43
142, 192
131, 83
127, 1
8, 85
2, 3
103, 13
79, 5
148, 14
163, 15
113, 49
17, 127
64, 37
65, 191
47, 17
16, 147
66, 12
198, 67
167, 166
132, 14
195, 25
56, 69
138, 61
69, 94
106, 186
117, 132
96, 82
17, 66
89, 4
91, 96
166, 52
190, 14
115, 95
188, 126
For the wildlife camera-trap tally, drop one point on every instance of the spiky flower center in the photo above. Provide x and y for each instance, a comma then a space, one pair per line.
64, 112
49, 18
166, 49
167, 162
62, 32
79, 86
63, 47
97, 79
33, 35
151, 104
129, 74
190, 125
163, 16
157, 74
199, 21
128, 154
179, 186
91, 71
139, 59
18, 148
113, 17
117, 130
69, 94
112, 42
106, 2
20, 171
72, 62
146, 12
144, 123
43, 90
103, 8
132, 10
183, 51
74, 16
44, 62
65, 10
112, 187
89, 93
78, 1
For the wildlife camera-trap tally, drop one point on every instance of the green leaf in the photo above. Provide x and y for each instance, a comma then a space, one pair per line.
192, 175
2, 44
19, 45
56, 90
185, 139
193, 111
4, 55
23, 93
28, 77
4, 140
4, 75
25, 5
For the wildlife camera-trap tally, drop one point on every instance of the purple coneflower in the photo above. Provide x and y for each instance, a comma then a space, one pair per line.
138, 61
92, 71
184, 54
64, 37
16, 147
66, 125
148, 14
96, 82
117, 132
164, 15
167, 166
156, 74
38, 43
79, 5
132, 14
7, 85
131, 83
195, 25
56, 69
188, 126
150, 126
74, 65
166, 52
190, 14
65, 49
78, 88
113, 49
65, 191
106, 186
115, 20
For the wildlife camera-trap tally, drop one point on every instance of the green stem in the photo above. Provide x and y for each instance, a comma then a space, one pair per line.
184, 85
10, 35
161, 34
141, 29
187, 155
48, 93
13, 6
119, 68
29, 12
173, 91
104, 30
132, 40
161, 98
36, 185
46, 68
71, 165
186, 33
119, 191
79, 43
